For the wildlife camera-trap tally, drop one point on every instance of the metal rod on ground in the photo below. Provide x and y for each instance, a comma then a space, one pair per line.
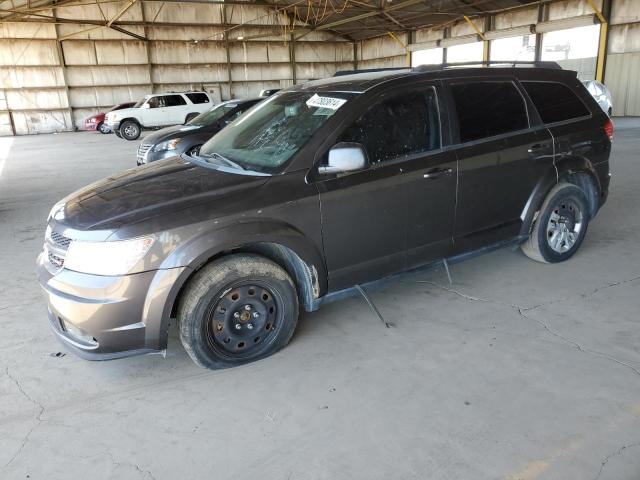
373, 307
446, 267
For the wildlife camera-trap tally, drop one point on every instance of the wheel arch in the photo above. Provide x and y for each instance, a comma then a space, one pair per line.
284, 245
575, 170
133, 119
190, 115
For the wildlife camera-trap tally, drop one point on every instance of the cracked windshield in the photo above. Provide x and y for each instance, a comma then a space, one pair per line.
268, 135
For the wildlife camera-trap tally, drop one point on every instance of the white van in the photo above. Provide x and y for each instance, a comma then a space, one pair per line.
157, 110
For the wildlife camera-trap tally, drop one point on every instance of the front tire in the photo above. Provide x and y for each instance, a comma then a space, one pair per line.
130, 130
194, 151
561, 225
237, 310
102, 128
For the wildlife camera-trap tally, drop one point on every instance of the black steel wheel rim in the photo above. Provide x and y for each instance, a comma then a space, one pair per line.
244, 320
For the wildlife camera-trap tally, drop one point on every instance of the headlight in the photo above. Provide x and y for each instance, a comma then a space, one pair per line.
168, 145
107, 258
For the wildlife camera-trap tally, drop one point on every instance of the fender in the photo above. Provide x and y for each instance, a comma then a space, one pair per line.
133, 119
277, 240
576, 170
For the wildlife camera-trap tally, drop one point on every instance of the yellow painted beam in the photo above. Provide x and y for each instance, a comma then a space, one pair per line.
402, 44
475, 27
602, 52
602, 43
597, 10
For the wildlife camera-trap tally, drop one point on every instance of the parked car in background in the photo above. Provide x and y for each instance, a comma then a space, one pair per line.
268, 92
188, 138
315, 191
96, 122
602, 95
157, 110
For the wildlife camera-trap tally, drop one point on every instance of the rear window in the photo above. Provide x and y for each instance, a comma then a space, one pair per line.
198, 97
555, 102
486, 109
173, 100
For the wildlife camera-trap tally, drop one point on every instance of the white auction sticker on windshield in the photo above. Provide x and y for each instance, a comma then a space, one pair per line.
325, 102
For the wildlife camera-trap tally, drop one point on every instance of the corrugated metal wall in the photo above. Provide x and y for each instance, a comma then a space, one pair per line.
50, 89
623, 59
623, 53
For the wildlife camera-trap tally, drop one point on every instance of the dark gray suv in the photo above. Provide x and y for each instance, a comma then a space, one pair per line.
318, 189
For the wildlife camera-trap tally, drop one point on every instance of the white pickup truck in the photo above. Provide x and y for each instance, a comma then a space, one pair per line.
157, 110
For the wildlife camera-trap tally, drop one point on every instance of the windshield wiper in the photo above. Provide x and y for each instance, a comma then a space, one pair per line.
224, 159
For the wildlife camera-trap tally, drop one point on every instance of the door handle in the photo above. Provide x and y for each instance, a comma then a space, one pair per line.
437, 173
538, 147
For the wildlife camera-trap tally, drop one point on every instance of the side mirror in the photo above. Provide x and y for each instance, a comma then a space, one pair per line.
345, 157
146, 105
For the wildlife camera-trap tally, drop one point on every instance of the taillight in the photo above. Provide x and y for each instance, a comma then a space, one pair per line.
608, 129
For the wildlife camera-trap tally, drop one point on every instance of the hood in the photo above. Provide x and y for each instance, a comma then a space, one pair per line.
141, 193
168, 133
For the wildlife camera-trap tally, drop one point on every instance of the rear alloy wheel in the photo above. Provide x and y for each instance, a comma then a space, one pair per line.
129, 130
561, 225
236, 310
102, 128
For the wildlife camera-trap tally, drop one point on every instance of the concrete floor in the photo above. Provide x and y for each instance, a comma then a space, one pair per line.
519, 371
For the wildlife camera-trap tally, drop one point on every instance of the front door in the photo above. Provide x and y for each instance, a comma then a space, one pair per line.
365, 215
154, 115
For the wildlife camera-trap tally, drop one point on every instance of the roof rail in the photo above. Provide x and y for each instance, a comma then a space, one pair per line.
341, 73
492, 63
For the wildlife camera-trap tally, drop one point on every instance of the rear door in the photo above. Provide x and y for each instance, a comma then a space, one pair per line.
569, 120
176, 108
502, 152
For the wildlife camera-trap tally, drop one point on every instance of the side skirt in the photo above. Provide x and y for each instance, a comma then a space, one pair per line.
434, 265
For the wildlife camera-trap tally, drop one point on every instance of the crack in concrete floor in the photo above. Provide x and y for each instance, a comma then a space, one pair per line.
38, 416
620, 451
522, 311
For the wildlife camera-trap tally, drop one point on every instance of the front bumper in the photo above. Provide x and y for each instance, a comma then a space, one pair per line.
89, 126
113, 126
117, 316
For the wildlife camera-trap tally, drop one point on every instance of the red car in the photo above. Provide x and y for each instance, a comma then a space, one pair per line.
96, 122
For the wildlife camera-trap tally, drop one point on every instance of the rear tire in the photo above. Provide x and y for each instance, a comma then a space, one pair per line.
561, 225
190, 117
130, 130
237, 310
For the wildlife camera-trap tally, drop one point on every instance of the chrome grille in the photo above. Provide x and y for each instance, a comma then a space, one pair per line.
56, 246
60, 241
143, 149
55, 260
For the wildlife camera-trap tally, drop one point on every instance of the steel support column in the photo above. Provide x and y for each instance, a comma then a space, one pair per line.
604, 16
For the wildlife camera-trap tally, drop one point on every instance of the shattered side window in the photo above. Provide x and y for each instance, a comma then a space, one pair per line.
399, 126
